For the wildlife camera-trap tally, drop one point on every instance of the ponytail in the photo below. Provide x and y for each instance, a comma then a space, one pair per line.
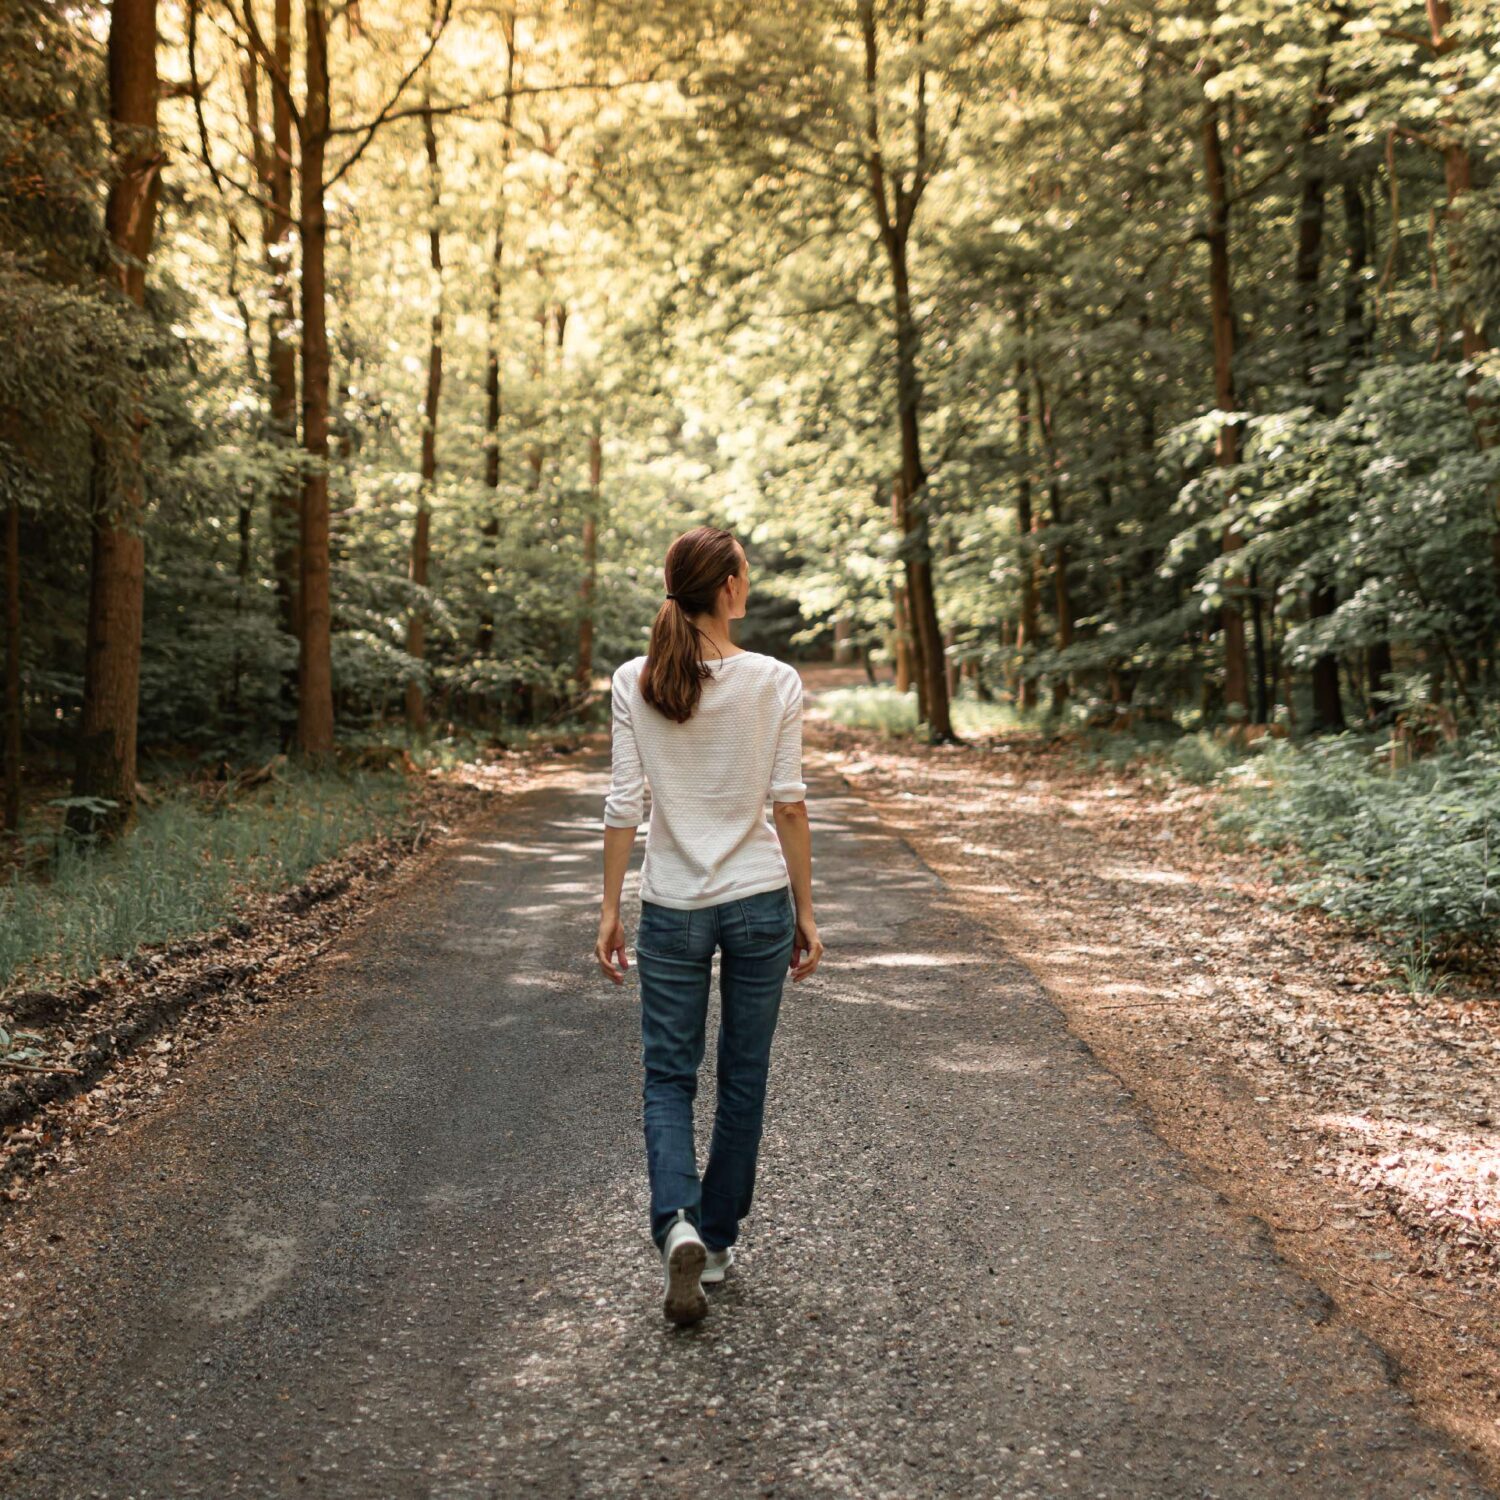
697, 565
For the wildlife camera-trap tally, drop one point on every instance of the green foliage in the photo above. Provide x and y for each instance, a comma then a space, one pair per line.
1201, 758
1413, 852
893, 713
186, 867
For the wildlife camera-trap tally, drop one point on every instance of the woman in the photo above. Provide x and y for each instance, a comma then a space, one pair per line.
714, 730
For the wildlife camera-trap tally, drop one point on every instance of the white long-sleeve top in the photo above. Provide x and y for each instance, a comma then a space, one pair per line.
709, 839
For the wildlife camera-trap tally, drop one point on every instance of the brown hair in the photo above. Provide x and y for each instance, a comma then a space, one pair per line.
698, 563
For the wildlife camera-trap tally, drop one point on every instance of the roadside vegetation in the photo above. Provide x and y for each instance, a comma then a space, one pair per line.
186, 866
1396, 831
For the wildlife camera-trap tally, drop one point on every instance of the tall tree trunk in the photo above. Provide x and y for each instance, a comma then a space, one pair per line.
900, 618
1328, 702
901, 672
1328, 707
282, 351
589, 580
914, 520
1030, 558
106, 765
843, 640
1309, 258
1357, 260
1062, 591
12, 665
315, 659
1357, 340
1227, 447
895, 204
273, 171
416, 622
489, 529
912, 635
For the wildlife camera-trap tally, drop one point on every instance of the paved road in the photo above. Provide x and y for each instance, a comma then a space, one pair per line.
392, 1241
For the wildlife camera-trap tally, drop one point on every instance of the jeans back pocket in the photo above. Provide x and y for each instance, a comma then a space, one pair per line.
768, 915
663, 929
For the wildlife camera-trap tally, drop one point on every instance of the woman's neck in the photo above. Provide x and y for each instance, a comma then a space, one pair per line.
716, 632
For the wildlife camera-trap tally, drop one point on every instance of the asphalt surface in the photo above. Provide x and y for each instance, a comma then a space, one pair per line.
392, 1240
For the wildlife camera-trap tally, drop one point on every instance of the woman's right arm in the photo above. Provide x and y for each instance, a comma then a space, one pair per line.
794, 830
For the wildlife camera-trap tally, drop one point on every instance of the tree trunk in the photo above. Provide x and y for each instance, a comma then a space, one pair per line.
315, 659
12, 665
1309, 259
1357, 242
901, 673
589, 581
1258, 646
416, 622
489, 529
843, 640
1062, 592
1328, 708
273, 172
1029, 557
1328, 703
1227, 448
106, 764
927, 640
895, 204
1378, 673
282, 347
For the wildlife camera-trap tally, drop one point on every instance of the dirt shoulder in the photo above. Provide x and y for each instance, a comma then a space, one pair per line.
1273, 1047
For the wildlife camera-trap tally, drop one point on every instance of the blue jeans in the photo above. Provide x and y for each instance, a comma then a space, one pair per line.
674, 958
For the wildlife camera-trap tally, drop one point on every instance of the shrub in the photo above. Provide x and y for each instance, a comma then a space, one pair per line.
1412, 851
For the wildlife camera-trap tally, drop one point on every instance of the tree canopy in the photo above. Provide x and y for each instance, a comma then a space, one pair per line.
1116, 360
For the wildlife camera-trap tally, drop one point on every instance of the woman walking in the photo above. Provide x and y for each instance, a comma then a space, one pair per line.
714, 730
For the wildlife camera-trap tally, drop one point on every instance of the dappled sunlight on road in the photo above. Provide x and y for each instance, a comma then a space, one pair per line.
977, 1057
911, 961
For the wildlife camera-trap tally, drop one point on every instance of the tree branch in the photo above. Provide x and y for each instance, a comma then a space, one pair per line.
440, 26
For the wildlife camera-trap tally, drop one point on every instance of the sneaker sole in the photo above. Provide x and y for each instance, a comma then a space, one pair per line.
685, 1302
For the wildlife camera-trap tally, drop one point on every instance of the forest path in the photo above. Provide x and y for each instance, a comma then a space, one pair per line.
392, 1242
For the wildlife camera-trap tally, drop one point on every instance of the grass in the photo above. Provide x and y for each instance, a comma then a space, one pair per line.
891, 714
187, 866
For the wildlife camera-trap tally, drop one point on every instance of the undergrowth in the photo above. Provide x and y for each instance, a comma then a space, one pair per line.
185, 867
1412, 852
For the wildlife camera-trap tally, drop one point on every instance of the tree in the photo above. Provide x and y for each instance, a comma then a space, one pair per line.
106, 764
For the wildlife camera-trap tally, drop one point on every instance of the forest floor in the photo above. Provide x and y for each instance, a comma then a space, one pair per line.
1274, 1046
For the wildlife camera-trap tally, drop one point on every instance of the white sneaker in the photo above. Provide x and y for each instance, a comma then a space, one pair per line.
716, 1264
683, 1255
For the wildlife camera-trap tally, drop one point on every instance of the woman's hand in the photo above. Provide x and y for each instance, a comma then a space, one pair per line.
611, 942
807, 948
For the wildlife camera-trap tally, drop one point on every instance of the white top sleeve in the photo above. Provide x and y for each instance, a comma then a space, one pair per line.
787, 784
625, 803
